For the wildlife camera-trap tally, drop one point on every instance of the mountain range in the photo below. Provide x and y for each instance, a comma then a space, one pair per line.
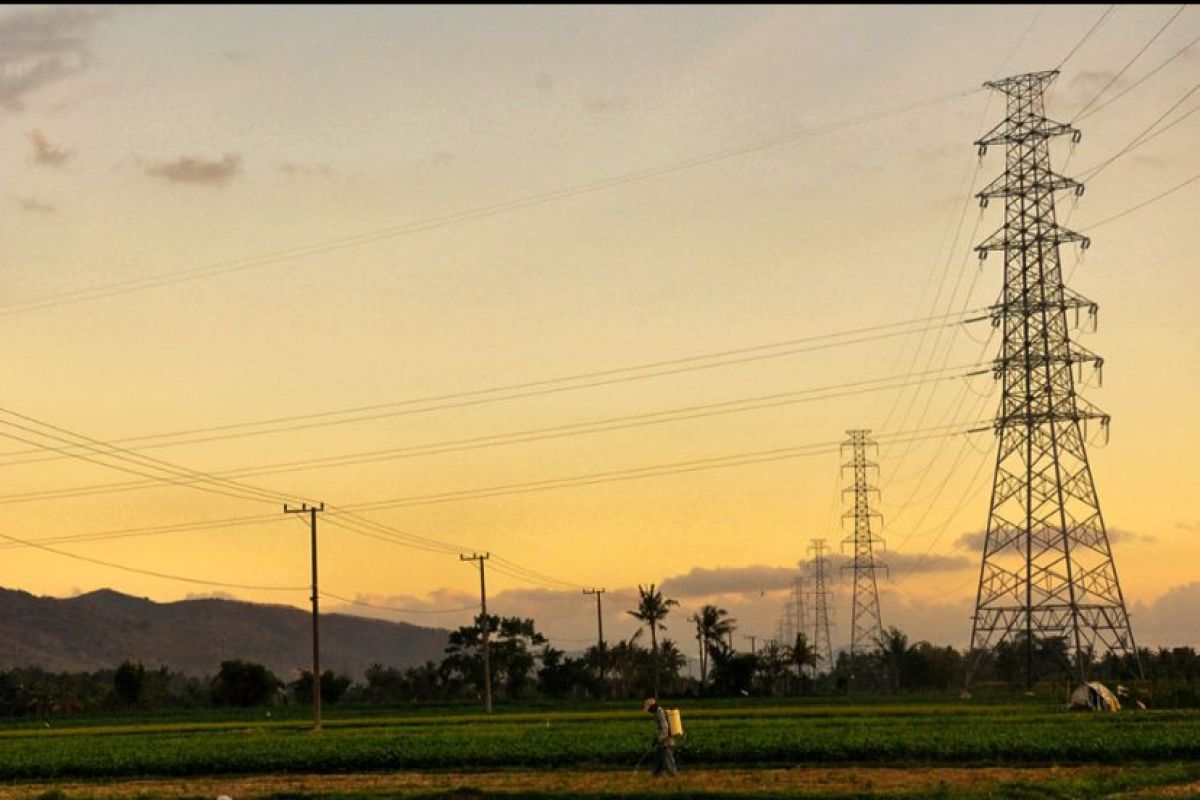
101, 629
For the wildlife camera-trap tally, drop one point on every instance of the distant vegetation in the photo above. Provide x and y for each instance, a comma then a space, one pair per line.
526, 668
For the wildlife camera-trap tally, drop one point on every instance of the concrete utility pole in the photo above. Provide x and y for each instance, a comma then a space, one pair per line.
305, 508
753, 639
599, 630
483, 627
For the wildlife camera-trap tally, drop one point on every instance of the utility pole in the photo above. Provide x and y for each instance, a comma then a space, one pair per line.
821, 640
312, 511
866, 626
483, 627
600, 634
1047, 572
753, 639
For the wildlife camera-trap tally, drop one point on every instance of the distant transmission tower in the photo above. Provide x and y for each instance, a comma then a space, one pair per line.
822, 644
866, 628
1047, 571
799, 618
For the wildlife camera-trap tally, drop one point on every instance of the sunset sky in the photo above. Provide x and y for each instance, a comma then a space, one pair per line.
316, 216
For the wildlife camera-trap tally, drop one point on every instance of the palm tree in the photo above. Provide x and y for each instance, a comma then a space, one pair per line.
713, 626
651, 611
891, 647
804, 654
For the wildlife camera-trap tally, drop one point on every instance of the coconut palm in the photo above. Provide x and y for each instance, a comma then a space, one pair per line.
713, 627
804, 654
651, 611
890, 650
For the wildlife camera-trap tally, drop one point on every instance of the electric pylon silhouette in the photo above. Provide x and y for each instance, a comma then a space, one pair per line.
799, 618
822, 644
866, 627
1047, 570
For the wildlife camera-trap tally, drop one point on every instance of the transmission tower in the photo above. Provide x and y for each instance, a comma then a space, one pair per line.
822, 644
866, 628
799, 618
1047, 571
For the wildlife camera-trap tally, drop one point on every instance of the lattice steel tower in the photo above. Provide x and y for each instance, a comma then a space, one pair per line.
866, 628
1047, 570
821, 641
799, 617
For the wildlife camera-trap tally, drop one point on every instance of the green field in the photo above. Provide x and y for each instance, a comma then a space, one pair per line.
1149, 747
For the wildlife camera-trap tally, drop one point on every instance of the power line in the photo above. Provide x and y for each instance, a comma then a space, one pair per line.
609, 377
636, 473
741, 405
1142, 204
1117, 76
480, 212
151, 573
398, 610
1145, 136
1095, 26
1139, 81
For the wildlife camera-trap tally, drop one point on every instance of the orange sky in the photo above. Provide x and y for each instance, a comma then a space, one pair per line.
169, 139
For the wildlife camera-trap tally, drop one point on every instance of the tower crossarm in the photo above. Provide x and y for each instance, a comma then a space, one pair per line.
1065, 299
1007, 185
1036, 235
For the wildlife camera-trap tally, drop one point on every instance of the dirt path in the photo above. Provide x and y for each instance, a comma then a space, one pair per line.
782, 782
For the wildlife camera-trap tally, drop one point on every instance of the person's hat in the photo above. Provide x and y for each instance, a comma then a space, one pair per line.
649, 704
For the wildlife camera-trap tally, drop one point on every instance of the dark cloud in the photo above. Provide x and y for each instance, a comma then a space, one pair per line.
701, 581
43, 46
189, 169
973, 541
46, 153
35, 206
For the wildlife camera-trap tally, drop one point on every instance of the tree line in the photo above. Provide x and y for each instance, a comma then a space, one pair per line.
525, 666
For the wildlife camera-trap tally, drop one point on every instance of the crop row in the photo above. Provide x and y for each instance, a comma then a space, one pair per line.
552, 742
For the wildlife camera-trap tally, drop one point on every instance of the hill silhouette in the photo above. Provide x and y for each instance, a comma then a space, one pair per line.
100, 629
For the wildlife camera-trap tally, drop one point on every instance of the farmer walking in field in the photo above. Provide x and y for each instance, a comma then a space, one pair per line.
664, 758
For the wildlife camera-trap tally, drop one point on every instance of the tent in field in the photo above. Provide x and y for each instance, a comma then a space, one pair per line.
1094, 696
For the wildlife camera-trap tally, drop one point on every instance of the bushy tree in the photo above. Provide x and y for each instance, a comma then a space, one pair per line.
243, 684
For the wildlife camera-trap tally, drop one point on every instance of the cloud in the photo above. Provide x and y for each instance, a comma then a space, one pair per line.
46, 153
189, 169
35, 206
210, 596
1171, 620
544, 82
235, 56
701, 581
43, 46
973, 541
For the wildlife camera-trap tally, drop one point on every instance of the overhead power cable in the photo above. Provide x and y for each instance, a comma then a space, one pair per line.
479, 212
741, 405
1142, 204
151, 573
1139, 81
1095, 27
516, 391
380, 607
648, 471
1119, 73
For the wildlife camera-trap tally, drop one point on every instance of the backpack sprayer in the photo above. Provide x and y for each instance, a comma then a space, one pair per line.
674, 728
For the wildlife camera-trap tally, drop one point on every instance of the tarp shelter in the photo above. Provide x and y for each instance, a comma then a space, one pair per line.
1094, 696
